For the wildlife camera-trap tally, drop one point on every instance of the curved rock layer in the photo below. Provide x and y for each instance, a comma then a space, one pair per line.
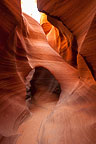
73, 120
23, 46
78, 17
60, 38
13, 61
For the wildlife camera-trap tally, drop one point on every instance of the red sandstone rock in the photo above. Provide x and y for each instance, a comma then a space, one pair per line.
23, 46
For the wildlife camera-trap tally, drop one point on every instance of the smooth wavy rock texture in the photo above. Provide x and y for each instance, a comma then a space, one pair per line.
24, 45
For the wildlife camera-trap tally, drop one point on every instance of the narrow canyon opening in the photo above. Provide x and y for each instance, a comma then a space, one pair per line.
42, 87
43, 92
30, 8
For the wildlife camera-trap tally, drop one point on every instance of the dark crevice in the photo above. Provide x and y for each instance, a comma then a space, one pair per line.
55, 17
89, 66
43, 80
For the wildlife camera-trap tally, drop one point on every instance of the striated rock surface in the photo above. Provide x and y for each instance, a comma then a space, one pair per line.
73, 119
24, 46
13, 61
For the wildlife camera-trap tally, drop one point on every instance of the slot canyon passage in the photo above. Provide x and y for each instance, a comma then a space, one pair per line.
48, 73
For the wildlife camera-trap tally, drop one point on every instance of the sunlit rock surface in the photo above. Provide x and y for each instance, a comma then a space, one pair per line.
24, 46
61, 39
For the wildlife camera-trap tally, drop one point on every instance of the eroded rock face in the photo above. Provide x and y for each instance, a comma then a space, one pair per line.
77, 17
13, 110
60, 38
23, 46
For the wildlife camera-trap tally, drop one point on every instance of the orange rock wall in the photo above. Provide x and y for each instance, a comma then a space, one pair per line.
23, 46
